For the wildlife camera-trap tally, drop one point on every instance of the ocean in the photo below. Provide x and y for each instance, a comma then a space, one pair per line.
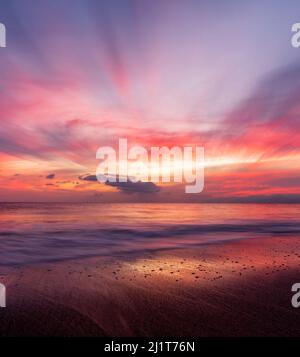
32, 233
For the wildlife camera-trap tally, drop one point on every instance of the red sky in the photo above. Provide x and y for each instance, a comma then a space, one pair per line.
157, 74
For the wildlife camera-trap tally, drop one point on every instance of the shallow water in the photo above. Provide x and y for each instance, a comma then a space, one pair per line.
38, 232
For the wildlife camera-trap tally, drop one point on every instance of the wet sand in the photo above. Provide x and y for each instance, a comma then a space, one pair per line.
240, 288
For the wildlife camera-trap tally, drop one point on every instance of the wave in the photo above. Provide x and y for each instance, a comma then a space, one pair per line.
38, 245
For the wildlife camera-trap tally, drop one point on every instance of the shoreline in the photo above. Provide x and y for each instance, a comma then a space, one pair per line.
233, 288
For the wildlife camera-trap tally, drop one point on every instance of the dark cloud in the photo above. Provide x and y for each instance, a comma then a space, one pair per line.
133, 187
127, 187
50, 176
88, 177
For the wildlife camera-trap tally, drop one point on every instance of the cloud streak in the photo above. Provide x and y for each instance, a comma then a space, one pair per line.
154, 75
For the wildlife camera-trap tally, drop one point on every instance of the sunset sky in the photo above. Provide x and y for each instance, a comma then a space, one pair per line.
79, 74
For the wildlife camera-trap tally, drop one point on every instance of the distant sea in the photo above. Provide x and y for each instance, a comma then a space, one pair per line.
32, 233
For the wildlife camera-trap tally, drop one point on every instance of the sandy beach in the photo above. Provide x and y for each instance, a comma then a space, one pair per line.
240, 288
